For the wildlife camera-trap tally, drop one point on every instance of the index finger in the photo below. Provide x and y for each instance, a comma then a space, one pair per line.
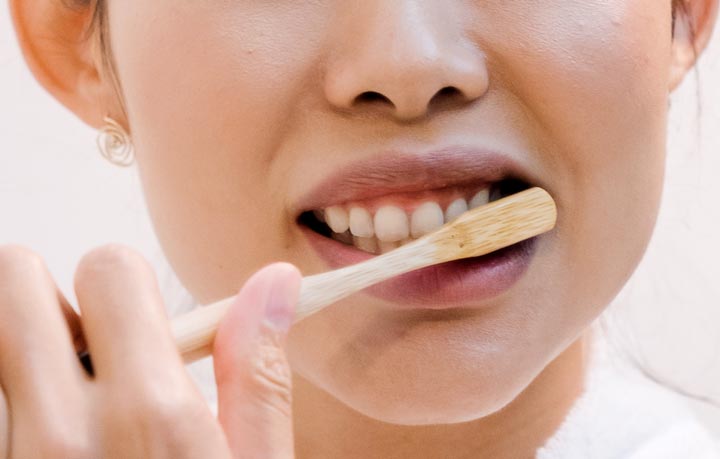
124, 319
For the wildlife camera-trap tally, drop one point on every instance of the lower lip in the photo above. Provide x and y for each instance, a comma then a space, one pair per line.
469, 282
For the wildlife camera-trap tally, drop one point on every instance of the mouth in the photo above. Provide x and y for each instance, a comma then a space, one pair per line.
378, 225
377, 205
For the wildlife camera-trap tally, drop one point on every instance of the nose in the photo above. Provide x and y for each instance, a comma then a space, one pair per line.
404, 57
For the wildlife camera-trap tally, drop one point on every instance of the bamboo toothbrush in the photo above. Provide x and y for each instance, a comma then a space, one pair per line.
477, 232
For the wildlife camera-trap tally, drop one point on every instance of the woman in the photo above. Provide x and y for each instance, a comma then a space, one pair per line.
268, 131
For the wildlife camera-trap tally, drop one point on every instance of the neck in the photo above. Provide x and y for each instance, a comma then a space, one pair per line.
323, 424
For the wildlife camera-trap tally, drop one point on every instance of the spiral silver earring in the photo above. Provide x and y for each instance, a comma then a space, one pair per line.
114, 143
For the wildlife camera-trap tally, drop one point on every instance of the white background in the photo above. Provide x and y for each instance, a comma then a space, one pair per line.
60, 198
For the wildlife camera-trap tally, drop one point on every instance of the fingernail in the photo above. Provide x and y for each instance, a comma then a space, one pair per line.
281, 298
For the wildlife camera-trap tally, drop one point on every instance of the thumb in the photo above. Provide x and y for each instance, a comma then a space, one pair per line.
252, 374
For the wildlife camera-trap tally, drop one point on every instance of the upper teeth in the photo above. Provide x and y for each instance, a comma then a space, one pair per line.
361, 222
337, 219
426, 218
481, 198
391, 225
455, 209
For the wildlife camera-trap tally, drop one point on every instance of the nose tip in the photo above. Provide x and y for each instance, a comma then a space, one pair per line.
411, 87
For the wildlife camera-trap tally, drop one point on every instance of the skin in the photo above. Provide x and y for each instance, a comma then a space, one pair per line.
237, 109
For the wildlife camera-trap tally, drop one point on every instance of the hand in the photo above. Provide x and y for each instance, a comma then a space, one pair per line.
140, 402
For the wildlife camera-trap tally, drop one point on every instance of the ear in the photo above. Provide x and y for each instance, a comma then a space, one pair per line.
63, 57
693, 28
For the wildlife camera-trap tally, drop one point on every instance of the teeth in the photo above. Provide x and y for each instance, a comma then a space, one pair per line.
367, 244
361, 223
426, 218
387, 246
391, 224
455, 209
337, 219
345, 237
481, 198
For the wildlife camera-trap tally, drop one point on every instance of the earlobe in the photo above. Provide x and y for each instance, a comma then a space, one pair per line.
53, 40
693, 29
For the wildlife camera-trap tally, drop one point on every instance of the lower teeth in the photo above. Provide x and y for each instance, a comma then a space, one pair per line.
345, 238
371, 244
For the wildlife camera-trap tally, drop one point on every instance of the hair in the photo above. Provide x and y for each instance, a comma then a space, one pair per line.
97, 27
97, 31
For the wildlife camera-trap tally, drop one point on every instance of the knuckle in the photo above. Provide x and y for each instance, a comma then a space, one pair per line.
163, 411
108, 259
21, 269
16, 260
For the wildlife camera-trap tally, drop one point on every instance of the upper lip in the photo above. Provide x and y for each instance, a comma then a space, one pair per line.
397, 172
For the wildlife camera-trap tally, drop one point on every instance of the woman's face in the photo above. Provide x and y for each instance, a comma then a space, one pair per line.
246, 113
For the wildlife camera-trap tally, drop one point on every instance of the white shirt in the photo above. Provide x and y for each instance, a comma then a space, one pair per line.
624, 415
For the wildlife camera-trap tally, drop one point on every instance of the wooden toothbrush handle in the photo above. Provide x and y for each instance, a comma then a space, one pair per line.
194, 331
478, 232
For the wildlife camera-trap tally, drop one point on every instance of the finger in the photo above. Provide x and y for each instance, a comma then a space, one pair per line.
39, 371
4, 426
34, 335
252, 373
124, 320
150, 407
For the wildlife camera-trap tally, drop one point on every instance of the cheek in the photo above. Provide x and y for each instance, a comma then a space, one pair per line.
207, 110
595, 80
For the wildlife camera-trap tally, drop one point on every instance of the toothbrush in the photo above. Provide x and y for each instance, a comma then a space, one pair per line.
477, 232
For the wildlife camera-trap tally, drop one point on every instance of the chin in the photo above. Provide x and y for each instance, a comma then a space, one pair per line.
428, 377
427, 400
417, 411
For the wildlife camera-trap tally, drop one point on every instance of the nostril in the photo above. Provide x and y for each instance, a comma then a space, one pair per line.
448, 91
446, 95
370, 97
